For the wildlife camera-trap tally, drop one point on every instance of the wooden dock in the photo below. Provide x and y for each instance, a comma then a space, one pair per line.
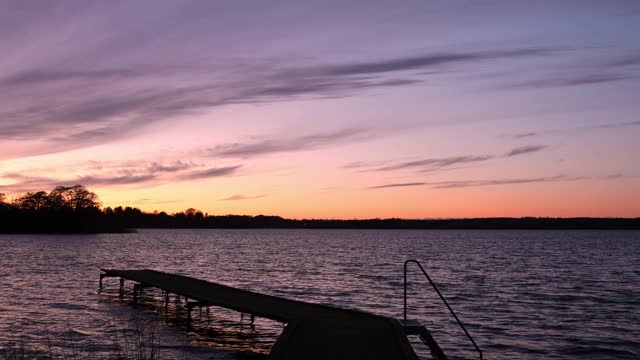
313, 331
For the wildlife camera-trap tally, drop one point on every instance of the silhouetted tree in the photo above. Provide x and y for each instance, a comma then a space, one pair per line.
75, 197
33, 201
64, 209
4, 206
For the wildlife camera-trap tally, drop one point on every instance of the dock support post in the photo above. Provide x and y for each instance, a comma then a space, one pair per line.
252, 318
136, 289
188, 306
121, 287
166, 303
101, 277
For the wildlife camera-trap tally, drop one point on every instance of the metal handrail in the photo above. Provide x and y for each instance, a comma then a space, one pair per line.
441, 297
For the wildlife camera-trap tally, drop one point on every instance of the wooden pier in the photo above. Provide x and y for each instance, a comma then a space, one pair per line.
313, 331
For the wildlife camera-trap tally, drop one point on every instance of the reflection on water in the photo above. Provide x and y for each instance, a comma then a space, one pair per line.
522, 294
210, 326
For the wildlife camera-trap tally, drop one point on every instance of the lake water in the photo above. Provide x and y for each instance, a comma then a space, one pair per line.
522, 294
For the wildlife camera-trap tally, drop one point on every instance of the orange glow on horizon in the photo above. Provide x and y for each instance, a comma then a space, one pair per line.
567, 200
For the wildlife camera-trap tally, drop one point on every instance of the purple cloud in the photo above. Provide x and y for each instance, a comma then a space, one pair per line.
289, 144
525, 150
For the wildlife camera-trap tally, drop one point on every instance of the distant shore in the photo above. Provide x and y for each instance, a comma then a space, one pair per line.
110, 223
76, 210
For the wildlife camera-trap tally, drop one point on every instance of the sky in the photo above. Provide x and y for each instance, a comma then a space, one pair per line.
323, 109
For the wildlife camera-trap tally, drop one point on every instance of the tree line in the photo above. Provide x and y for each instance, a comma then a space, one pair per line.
75, 209
64, 209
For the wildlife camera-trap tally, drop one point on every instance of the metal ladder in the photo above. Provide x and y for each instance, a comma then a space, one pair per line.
413, 327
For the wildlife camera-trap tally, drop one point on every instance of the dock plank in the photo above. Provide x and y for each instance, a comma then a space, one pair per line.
313, 331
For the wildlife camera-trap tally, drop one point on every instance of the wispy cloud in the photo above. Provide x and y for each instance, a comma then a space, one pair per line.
289, 144
426, 61
396, 185
628, 60
602, 126
437, 162
242, 197
493, 182
524, 135
364, 165
525, 150
173, 167
434, 164
111, 180
620, 125
576, 80
477, 183
211, 172
43, 76
76, 105
589, 72
23, 183
116, 174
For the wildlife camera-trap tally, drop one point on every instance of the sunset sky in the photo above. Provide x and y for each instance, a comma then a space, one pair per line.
346, 109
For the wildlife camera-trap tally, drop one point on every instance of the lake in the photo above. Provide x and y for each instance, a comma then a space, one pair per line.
522, 294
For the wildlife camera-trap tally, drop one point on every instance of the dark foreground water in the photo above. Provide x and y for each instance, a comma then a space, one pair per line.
522, 294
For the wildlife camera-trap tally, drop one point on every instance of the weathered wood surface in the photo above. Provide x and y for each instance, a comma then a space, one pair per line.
313, 331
